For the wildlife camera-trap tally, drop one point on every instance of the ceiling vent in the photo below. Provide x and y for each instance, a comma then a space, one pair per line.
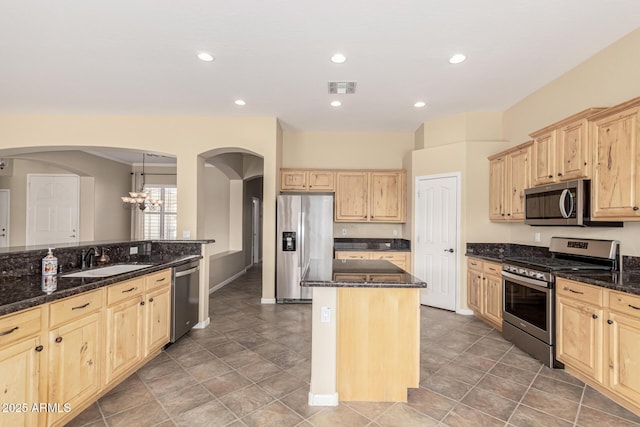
342, 88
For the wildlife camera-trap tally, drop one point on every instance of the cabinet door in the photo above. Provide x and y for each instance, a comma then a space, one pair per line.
493, 299
20, 382
388, 199
543, 170
352, 197
293, 180
579, 340
158, 325
624, 355
321, 181
125, 340
573, 160
497, 174
615, 179
474, 290
74, 362
519, 174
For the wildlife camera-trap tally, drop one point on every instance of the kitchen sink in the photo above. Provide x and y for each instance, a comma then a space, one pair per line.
111, 270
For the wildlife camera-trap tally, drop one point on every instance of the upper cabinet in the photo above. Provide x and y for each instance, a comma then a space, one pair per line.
509, 175
307, 180
561, 151
377, 196
616, 186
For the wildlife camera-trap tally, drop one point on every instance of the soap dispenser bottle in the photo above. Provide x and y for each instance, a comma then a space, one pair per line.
49, 264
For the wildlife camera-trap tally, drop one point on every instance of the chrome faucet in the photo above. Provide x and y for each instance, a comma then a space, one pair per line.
88, 256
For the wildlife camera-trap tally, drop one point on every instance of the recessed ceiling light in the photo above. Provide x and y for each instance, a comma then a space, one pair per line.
457, 58
338, 58
336, 103
204, 56
420, 104
239, 102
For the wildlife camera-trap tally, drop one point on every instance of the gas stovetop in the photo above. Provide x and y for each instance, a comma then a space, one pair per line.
553, 264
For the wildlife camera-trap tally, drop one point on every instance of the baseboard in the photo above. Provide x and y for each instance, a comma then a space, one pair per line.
267, 301
203, 324
465, 311
323, 399
227, 281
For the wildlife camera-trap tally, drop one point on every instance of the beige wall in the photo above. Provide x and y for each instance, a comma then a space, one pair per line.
216, 203
608, 78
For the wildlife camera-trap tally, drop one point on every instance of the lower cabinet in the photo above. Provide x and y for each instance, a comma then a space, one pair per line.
598, 339
67, 353
484, 290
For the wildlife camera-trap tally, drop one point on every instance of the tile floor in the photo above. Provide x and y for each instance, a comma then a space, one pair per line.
251, 367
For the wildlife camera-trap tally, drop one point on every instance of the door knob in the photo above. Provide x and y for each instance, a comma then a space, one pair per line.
449, 250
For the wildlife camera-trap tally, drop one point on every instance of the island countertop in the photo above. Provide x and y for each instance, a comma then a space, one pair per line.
358, 274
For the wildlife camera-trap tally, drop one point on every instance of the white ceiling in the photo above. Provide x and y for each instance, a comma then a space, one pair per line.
139, 57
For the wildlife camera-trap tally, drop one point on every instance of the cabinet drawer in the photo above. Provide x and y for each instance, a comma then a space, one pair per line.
625, 303
353, 255
580, 291
386, 278
393, 257
492, 268
345, 277
124, 290
75, 307
475, 264
15, 327
156, 280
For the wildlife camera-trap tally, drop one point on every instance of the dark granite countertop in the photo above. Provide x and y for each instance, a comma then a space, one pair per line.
364, 274
371, 245
22, 249
19, 293
485, 257
628, 282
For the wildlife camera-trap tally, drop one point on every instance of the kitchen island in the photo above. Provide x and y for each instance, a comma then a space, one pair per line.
365, 331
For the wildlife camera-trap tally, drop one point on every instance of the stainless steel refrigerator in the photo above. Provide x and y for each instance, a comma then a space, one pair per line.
304, 232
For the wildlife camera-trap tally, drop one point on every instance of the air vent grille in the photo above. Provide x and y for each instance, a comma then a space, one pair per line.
342, 88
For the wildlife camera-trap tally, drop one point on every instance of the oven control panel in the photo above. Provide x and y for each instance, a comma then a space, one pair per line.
527, 272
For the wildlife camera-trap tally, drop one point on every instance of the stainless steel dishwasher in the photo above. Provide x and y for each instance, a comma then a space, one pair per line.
185, 295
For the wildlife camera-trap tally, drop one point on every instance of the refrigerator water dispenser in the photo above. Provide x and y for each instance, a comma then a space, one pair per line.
289, 241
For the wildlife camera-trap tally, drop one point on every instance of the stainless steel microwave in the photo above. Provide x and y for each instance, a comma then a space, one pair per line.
566, 203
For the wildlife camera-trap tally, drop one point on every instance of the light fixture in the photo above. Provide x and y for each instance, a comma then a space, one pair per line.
141, 199
419, 104
206, 57
240, 102
338, 58
336, 103
457, 58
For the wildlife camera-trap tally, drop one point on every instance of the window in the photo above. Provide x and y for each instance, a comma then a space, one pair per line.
161, 222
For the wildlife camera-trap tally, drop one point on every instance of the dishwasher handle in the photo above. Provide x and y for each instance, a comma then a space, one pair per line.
187, 272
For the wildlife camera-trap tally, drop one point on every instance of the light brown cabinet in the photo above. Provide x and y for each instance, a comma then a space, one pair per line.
484, 290
158, 311
616, 186
23, 368
363, 196
598, 339
509, 176
562, 151
400, 259
307, 180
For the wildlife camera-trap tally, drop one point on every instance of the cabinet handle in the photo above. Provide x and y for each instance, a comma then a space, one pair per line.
610, 322
150, 299
141, 302
15, 328
129, 290
550, 176
559, 174
635, 208
595, 316
80, 307
575, 292
39, 348
492, 269
508, 214
59, 339
478, 277
632, 306
160, 280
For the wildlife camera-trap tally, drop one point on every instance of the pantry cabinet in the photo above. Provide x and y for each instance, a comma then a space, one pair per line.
484, 290
363, 196
616, 186
509, 176
307, 180
562, 150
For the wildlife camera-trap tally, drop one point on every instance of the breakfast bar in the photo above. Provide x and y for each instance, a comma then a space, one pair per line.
365, 331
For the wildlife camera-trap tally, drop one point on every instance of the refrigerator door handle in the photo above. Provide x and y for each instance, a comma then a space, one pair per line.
303, 237
299, 248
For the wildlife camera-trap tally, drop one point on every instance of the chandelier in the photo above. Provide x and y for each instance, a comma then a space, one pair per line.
141, 199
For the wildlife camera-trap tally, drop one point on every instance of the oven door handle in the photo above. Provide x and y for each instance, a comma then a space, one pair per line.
527, 280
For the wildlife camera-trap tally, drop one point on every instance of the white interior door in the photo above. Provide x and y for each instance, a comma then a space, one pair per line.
4, 218
436, 247
52, 209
